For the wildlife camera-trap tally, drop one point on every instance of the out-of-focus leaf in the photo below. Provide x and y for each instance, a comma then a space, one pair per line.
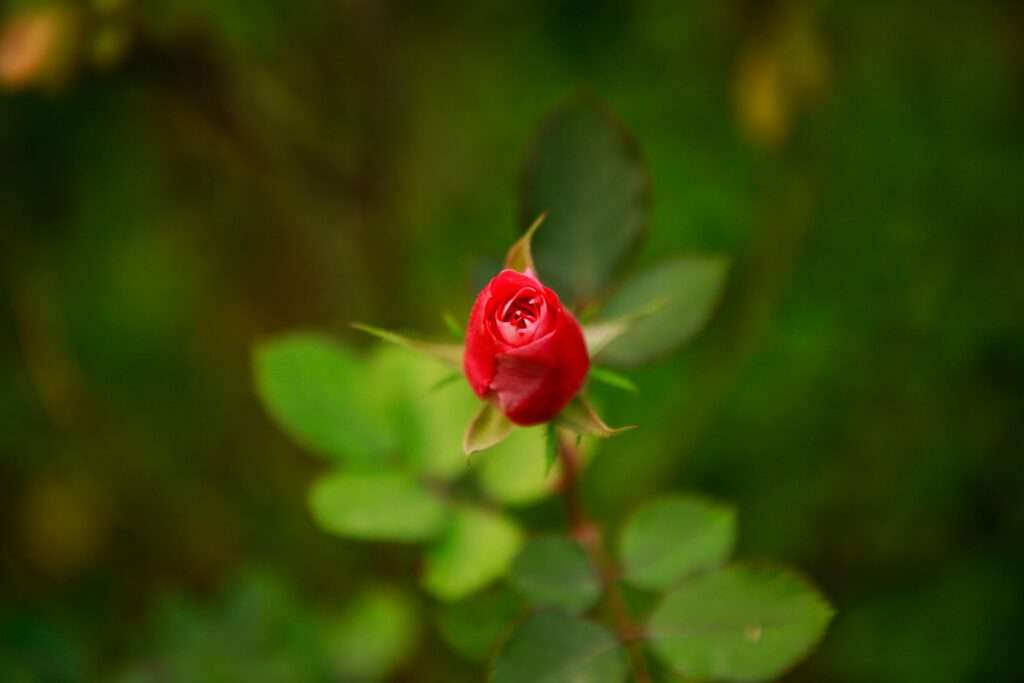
907, 636
476, 549
374, 636
258, 632
487, 428
580, 417
474, 626
379, 506
520, 255
426, 407
556, 648
585, 170
450, 354
315, 390
613, 379
671, 537
554, 571
515, 471
738, 624
34, 648
685, 291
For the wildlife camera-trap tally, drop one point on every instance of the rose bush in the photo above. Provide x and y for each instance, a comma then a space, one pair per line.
550, 606
524, 350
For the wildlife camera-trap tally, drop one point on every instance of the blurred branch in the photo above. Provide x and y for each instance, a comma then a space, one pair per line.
56, 376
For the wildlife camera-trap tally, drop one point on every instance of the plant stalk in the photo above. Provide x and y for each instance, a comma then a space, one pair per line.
588, 534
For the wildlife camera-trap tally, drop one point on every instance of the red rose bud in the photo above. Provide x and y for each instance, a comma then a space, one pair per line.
523, 349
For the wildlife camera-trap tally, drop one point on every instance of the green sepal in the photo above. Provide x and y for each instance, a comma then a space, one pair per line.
520, 255
447, 353
614, 379
487, 428
601, 333
550, 446
445, 381
580, 417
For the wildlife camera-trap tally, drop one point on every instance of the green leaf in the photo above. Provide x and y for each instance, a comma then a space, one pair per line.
672, 537
554, 571
613, 379
427, 415
738, 624
515, 472
375, 635
258, 630
586, 171
474, 626
580, 417
487, 428
313, 388
520, 255
450, 354
386, 506
551, 647
476, 549
685, 289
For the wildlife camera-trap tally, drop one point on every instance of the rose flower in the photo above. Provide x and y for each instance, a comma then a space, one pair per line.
524, 351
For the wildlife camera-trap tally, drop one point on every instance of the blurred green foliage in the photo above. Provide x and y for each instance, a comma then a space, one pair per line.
182, 179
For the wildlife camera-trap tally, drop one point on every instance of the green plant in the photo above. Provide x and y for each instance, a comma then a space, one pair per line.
559, 607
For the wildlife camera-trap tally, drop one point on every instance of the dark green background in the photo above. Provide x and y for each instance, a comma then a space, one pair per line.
244, 168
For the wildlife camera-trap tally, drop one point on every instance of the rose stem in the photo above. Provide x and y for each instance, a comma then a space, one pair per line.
586, 531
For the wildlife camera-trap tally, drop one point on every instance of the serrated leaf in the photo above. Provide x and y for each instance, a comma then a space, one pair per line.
586, 171
380, 506
450, 354
520, 255
474, 626
487, 428
375, 634
687, 288
476, 549
738, 624
613, 379
552, 647
669, 538
580, 417
313, 388
554, 571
